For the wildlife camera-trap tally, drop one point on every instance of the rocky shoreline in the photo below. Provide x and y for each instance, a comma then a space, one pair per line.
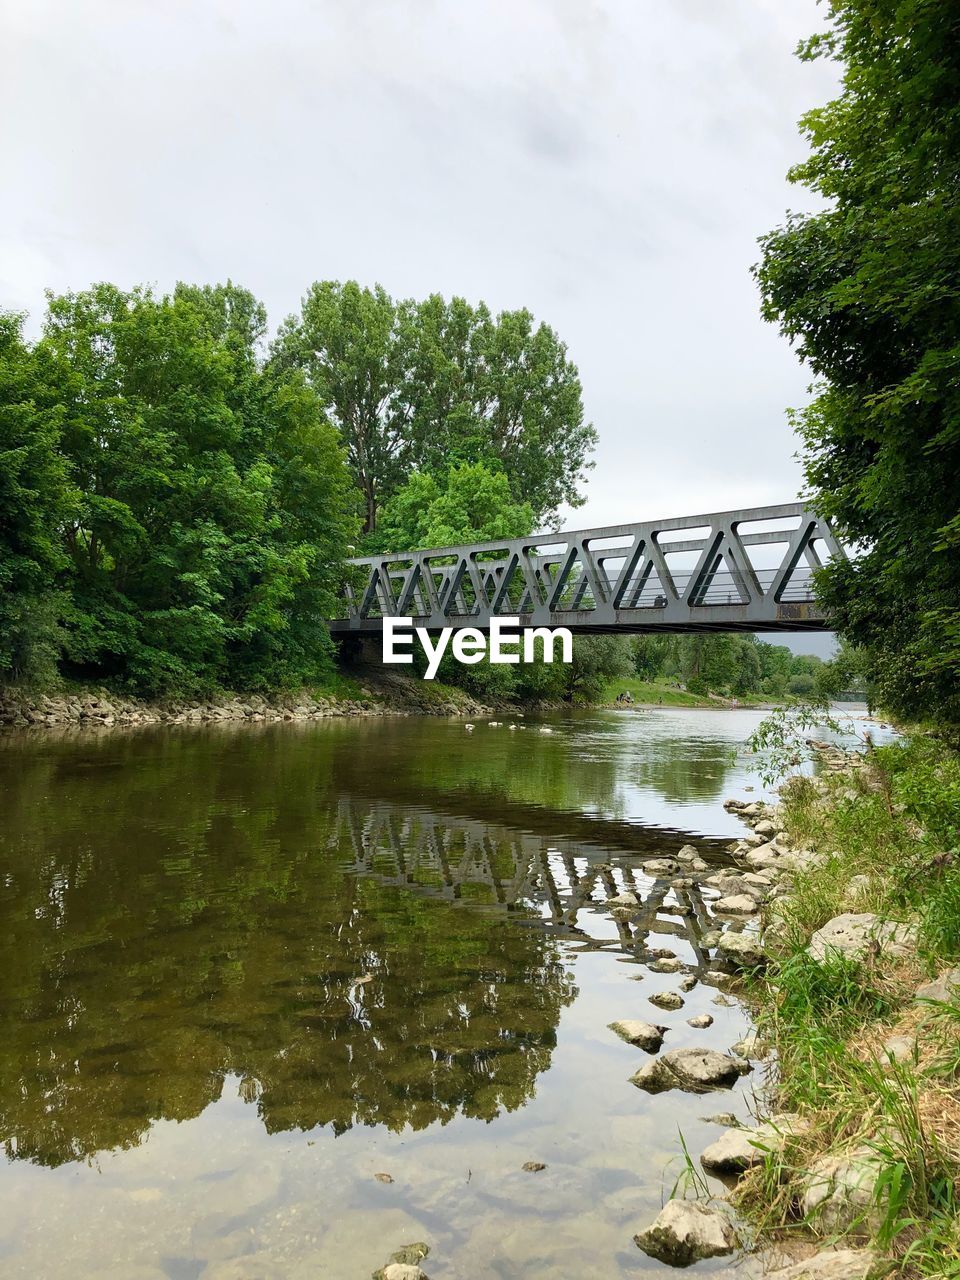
839, 1193
101, 709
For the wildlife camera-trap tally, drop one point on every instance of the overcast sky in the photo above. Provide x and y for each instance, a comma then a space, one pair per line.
607, 164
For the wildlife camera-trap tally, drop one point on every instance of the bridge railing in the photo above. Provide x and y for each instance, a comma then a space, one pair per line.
744, 569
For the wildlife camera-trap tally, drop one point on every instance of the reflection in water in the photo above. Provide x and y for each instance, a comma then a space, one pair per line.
369, 932
482, 862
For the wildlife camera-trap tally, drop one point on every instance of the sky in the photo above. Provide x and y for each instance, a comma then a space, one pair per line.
608, 164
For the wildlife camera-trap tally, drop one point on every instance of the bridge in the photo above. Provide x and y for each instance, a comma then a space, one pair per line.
747, 570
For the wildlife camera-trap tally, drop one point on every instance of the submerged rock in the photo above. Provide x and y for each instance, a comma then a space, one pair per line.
854, 934
668, 964
700, 1021
646, 1035
693, 1070
666, 1000
684, 1232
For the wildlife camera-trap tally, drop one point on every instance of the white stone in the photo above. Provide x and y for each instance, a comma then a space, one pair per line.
740, 904
831, 1264
693, 1070
840, 1192
853, 934
646, 1035
685, 1231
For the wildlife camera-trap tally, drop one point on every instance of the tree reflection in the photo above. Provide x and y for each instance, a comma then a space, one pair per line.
169, 919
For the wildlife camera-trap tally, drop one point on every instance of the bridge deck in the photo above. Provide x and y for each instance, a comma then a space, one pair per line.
747, 570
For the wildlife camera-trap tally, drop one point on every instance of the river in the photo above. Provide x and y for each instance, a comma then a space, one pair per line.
245, 970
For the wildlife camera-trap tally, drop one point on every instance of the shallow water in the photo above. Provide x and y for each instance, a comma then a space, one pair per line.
243, 970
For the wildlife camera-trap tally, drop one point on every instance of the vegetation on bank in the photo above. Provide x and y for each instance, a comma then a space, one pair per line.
867, 287
177, 497
866, 1065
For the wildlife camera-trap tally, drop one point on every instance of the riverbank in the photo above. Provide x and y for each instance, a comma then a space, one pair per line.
371, 693
852, 974
664, 693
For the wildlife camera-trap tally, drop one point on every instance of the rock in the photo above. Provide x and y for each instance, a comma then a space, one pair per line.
400, 1271
684, 1232
853, 935
404, 1263
687, 854
898, 1049
533, 1166
625, 899
700, 1021
831, 1264
660, 867
765, 827
666, 965
741, 904
742, 1148
726, 1118
840, 1192
622, 914
764, 856
667, 1000
742, 949
688, 983
646, 1035
942, 989
856, 888
383, 1177
751, 1046
693, 1070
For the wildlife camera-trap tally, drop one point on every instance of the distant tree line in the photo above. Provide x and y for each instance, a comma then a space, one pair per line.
178, 494
742, 665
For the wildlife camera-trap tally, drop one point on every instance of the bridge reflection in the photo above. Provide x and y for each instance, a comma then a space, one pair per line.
562, 884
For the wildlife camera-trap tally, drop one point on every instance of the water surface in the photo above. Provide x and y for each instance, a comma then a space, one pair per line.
245, 969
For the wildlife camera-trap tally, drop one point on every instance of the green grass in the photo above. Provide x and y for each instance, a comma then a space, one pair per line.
896, 822
654, 693
662, 692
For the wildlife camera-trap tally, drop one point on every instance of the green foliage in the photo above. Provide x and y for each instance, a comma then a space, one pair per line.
730, 665
471, 504
181, 509
418, 386
866, 287
35, 497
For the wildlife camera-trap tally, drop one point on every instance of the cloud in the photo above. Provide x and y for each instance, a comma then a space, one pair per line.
608, 165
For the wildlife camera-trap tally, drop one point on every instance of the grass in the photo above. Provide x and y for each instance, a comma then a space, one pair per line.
663, 692
894, 824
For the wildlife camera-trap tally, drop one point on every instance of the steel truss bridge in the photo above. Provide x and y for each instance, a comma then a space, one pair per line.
748, 570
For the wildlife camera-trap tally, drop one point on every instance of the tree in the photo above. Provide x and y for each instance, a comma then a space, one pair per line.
473, 504
502, 391
867, 289
353, 345
214, 501
416, 386
35, 501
